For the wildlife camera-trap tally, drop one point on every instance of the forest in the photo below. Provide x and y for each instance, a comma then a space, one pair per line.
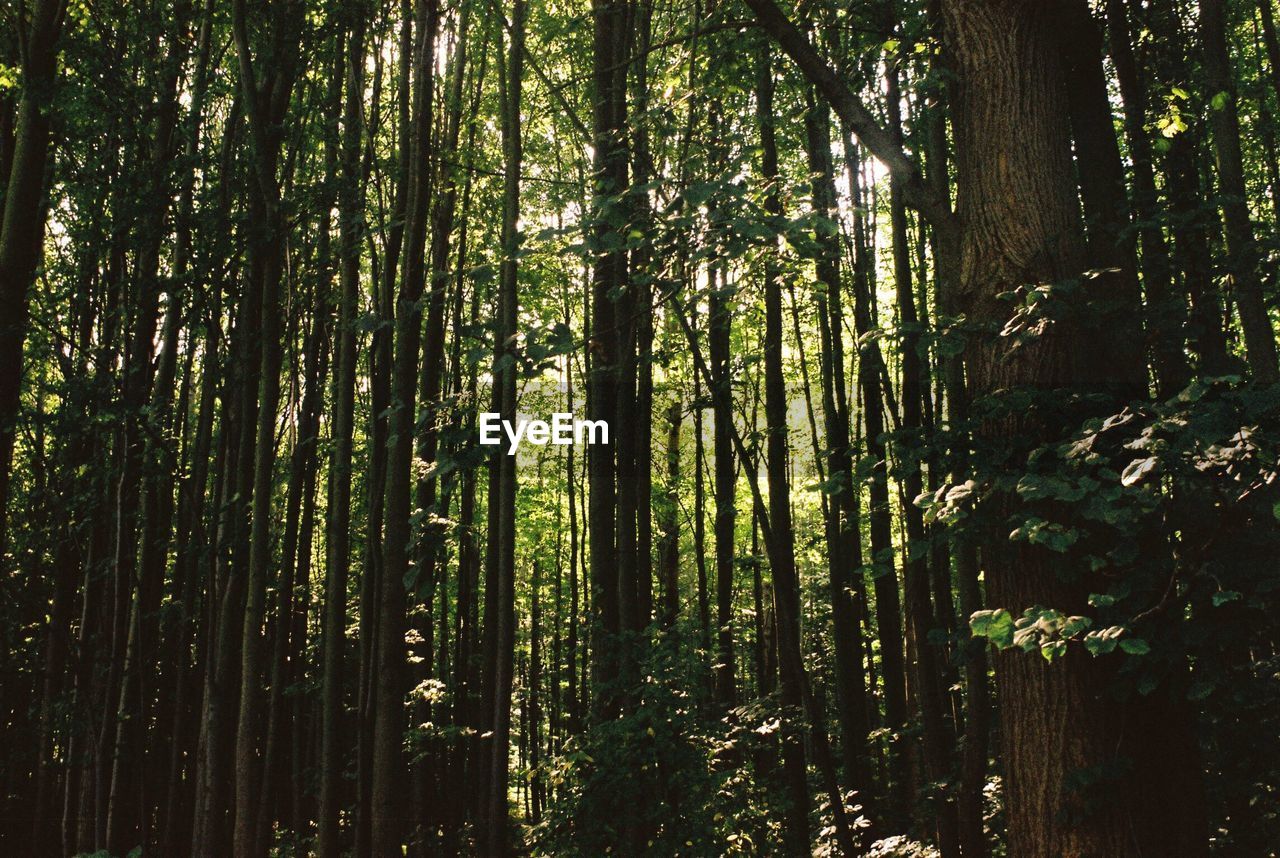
920, 364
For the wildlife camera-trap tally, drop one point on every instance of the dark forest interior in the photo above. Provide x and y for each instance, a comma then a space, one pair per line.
936, 341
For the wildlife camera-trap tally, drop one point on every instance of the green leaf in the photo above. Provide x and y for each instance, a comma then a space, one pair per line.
1137, 470
1053, 649
1199, 690
1135, 646
996, 626
1223, 596
1099, 643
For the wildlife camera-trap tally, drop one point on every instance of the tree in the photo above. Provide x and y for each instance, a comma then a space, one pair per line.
22, 228
931, 387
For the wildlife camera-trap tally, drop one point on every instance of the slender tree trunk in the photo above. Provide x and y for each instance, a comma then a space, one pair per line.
885, 585
669, 521
1242, 252
725, 479
844, 550
388, 814
928, 673
266, 104
608, 278
1100, 175
22, 230
495, 837
786, 593
699, 523
338, 525
1166, 311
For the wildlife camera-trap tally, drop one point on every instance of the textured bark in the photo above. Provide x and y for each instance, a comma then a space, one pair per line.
1017, 204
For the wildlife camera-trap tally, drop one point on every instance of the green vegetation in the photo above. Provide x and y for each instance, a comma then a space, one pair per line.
936, 342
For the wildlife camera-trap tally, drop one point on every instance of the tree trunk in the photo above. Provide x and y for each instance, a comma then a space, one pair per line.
920, 610
266, 104
844, 547
725, 479
669, 521
1020, 225
22, 230
605, 348
1166, 311
1242, 251
495, 835
786, 592
338, 524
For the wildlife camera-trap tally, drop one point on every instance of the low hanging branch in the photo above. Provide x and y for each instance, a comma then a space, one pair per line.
854, 115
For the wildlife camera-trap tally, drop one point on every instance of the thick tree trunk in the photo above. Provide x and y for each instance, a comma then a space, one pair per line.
1020, 225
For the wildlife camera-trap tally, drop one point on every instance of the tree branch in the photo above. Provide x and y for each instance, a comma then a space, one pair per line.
853, 113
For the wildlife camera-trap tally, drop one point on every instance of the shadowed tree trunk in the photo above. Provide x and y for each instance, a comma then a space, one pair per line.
786, 589
338, 524
605, 348
22, 229
1242, 251
1004, 56
844, 544
388, 813
495, 833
